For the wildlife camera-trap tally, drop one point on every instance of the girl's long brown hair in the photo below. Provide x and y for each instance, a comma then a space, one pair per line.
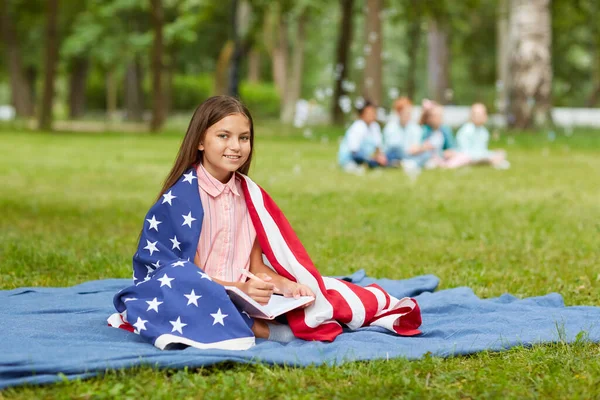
206, 115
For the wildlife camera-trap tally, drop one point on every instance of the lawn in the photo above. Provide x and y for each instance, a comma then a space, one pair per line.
72, 205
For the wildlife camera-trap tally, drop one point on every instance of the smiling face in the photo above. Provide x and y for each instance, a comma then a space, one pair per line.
226, 146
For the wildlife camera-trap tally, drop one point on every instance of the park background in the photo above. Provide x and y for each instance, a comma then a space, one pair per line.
95, 97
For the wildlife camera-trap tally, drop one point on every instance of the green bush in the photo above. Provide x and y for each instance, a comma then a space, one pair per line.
261, 98
190, 90
187, 92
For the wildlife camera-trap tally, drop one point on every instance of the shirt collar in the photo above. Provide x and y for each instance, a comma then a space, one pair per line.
212, 185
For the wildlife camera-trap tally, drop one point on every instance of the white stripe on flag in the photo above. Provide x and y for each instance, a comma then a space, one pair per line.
321, 311
163, 342
354, 302
380, 298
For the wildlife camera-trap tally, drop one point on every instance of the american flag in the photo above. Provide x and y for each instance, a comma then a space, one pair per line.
173, 303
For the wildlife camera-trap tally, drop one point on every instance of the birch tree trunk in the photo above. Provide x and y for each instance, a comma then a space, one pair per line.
530, 63
372, 87
502, 57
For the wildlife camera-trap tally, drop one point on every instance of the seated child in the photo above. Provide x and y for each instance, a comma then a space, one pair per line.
401, 136
212, 226
438, 139
362, 143
473, 138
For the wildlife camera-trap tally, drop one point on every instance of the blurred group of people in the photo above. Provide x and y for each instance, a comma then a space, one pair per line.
413, 146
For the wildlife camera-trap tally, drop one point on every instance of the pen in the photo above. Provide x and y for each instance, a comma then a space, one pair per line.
250, 275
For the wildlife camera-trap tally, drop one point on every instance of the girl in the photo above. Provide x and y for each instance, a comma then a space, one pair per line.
437, 138
401, 136
473, 138
362, 143
211, 225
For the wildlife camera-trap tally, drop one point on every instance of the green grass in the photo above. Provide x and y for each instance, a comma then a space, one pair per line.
72, 206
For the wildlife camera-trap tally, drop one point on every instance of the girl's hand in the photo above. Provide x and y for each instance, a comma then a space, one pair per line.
260, 291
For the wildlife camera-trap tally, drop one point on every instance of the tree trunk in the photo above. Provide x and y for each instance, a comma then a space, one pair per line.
20, 90
51, 61
414, 43
77, 79
295, 86
341, 60
169, 76
595, 31
254, 61
158, 106
111, 94
530, 63
280, 54
373, 66
221, 70
438, 61
502, 58
31, 77
134, 94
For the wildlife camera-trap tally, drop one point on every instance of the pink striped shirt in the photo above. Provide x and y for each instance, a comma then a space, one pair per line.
227, 234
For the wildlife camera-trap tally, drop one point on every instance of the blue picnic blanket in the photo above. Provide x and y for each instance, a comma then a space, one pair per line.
51, 333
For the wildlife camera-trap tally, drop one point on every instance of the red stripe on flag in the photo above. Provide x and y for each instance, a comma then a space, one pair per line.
325, 332
368, 299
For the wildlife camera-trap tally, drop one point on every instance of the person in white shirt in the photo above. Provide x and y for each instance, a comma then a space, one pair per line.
472, 140
362, 143
402, 137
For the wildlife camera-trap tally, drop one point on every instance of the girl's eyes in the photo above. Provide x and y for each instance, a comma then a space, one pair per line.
224, 136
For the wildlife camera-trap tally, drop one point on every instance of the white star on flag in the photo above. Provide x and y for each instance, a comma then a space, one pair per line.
129, 299
151, 247
154, 223
189, 177
176, 243
178, 264
167, 197
219, 317
149, 268
187, 219
192, 298
165, 280
140, 324
204, 276
177, 325
153, 305
157, 264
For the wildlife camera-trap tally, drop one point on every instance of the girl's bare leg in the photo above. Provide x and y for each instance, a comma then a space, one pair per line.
260, 329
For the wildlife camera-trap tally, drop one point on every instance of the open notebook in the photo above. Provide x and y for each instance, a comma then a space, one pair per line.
277, 305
